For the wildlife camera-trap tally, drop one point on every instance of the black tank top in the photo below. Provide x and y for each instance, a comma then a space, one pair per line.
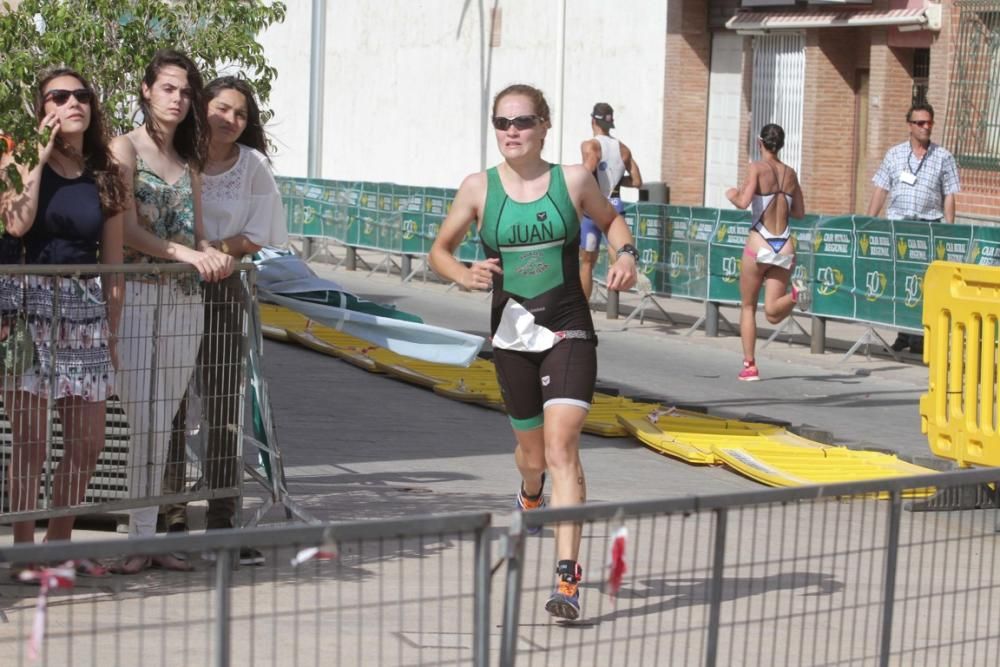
10, 249
69, 221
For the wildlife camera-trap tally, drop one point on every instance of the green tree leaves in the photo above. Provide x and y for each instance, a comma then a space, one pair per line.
110, 42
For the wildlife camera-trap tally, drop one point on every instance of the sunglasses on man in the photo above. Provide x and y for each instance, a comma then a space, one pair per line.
61, 97
922, 123
520, 122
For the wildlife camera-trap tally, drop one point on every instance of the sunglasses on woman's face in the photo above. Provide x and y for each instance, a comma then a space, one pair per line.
61, 97
520, 122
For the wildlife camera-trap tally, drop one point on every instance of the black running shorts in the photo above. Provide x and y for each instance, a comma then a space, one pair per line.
531, 381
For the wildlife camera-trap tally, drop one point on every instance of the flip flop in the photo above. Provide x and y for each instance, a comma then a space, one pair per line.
171, 563
91, 569
132, 565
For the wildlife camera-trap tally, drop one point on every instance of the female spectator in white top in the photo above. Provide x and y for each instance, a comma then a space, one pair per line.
242, 212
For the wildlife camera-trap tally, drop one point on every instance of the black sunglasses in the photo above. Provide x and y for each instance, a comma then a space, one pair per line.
922, 123
61, 97
520, 122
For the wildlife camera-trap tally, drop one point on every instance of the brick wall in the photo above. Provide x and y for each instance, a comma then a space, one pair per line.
889, 94
745, 109
685, 100
829, 112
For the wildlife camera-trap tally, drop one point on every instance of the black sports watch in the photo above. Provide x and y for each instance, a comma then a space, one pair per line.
630, 249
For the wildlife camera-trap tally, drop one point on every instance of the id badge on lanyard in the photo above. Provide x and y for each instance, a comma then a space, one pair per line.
909, 175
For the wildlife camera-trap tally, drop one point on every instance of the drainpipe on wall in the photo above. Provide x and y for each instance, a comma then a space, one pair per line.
317, 56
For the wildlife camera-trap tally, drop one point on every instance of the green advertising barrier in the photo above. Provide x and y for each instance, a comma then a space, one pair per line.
803, 235
985, 247
650, 230
315, 207
345, 211
435, 206
687, 249
291, 194
725, 252
833, 268
874, 276
858, 268
911, 243
413, 223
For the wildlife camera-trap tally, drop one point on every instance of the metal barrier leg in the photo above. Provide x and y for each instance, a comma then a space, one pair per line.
694, 327
889, 586
481, 616
514, 555
867, 338
640, 310
422, 269
266, 441
351, 260
817, 341
711, 319
611, 309
781, 329
223, 607
715, 597
388, 262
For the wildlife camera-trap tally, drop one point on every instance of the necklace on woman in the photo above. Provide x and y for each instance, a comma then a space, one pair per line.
66, 165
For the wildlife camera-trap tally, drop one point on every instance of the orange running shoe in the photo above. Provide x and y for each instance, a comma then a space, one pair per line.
524, 504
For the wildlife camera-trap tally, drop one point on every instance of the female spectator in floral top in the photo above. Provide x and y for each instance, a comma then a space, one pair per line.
163, 317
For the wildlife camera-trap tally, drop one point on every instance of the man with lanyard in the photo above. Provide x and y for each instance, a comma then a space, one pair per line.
920, 179
609, 160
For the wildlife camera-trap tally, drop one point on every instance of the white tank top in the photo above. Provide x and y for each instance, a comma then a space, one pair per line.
611, 168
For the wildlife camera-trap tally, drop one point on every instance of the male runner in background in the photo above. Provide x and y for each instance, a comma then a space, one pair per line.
612, 164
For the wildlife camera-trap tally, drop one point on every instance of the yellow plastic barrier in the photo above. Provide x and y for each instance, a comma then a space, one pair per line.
959, 411
776, 464
277, 320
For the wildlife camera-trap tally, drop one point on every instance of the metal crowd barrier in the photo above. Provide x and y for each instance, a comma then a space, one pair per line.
173, 423
406, 591
847, 574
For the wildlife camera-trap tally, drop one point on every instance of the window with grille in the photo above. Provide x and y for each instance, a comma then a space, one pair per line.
974, 126
921, 74
778, 94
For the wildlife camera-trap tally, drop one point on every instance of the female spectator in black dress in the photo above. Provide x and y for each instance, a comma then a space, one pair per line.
69, 212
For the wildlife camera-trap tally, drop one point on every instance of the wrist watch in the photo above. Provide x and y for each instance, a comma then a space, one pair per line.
221, 246
630, 249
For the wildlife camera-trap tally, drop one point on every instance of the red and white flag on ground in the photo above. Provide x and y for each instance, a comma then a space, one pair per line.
314, 553
616, 561
48, 578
